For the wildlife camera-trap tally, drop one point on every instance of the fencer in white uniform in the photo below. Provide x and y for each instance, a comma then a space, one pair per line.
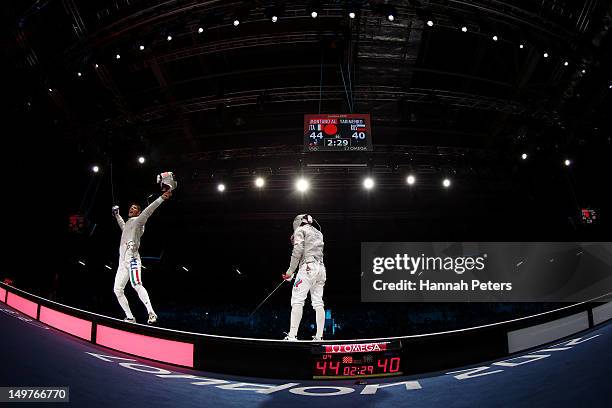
129, 259
307, 258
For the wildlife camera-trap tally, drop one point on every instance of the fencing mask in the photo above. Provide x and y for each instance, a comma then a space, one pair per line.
166, 181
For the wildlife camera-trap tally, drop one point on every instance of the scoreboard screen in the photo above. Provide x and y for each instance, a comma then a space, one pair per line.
367, 360
589, 215
326, 132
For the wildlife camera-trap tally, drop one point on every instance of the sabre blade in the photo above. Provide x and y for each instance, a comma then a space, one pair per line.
263, 301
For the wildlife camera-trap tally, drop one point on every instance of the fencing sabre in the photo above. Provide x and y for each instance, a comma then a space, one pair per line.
263, 301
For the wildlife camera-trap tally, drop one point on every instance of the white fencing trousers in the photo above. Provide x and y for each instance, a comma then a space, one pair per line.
130, 268
310, 278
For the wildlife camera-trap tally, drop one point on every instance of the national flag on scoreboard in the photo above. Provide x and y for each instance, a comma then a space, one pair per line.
347, 360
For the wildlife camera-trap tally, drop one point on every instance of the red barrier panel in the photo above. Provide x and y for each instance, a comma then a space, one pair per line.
25, 306
2, 295
66, 323
169, 351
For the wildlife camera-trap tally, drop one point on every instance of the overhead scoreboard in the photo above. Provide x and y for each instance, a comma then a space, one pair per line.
337, 132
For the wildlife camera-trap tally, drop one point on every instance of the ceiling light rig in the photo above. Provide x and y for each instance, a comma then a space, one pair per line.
390, 12
302, 185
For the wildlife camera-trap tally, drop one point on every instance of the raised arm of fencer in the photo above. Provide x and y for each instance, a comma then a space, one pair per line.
118, 217
147, 212
298, 251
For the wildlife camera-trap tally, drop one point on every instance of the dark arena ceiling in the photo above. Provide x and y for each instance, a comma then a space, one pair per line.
99, 82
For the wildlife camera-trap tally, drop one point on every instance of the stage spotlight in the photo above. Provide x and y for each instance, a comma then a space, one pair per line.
545, 55
96, 66
464, 29
566, 63
95, 169
79, 74
430, 23
583, 71
314, 14
368, 183
200, 30
260, 182
236, 22
524, 156
274, 19
495, 38
391, 17
410, 180
141, 160
521, 46
117, 56
567, 162
141, 48
352, 14
169, 38
221, 187
302, 185
446, 183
